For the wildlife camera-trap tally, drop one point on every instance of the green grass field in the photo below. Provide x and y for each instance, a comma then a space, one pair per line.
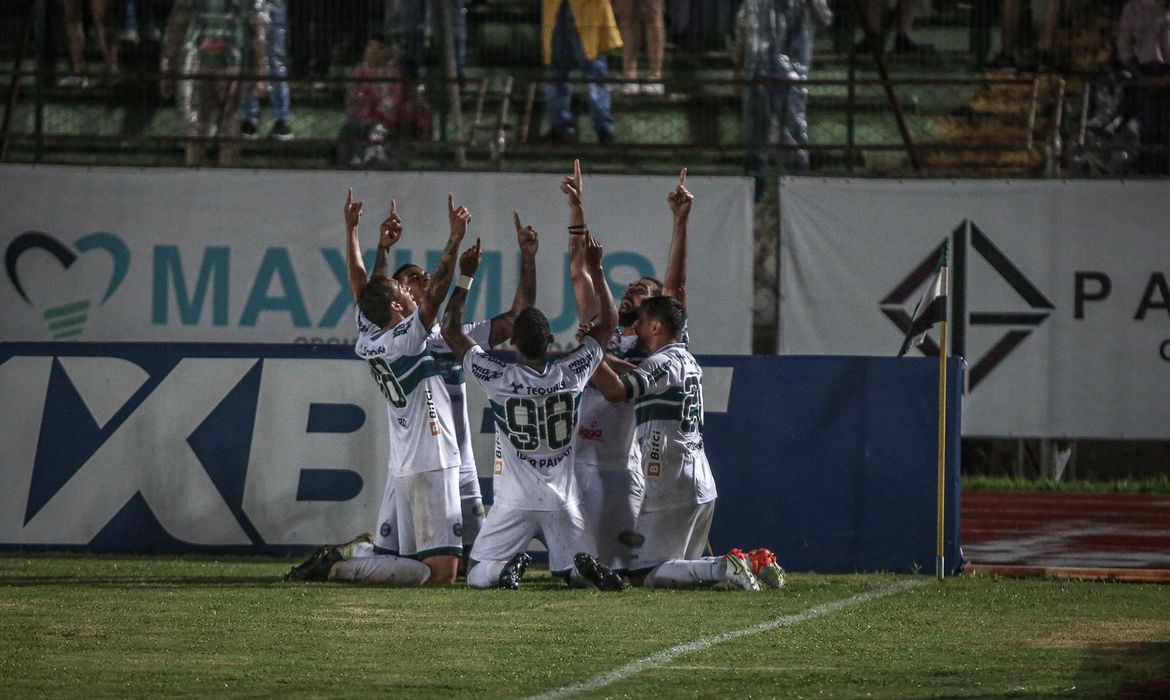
147, 627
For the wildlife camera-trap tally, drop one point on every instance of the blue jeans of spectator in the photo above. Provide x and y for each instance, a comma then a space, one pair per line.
764, 105
414, 35
568, 55
278, 95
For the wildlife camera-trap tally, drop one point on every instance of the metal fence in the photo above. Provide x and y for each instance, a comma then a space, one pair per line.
933, 111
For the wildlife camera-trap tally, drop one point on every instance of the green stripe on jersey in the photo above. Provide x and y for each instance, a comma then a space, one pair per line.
450, 369
673, 393
411, 370
645, 414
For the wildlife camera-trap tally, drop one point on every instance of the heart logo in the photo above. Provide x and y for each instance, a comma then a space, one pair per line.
67, 320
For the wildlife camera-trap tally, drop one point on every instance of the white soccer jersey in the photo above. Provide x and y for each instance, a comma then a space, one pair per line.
606, 430
452, 372
667, 392
536, 417
422, 435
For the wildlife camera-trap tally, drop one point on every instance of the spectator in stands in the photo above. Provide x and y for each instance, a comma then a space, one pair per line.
773, 41
413, 21
274, 15
874, 22
208, 37
1012, 54
576, 36
1143, 45
634, 16
380, 103
103, 20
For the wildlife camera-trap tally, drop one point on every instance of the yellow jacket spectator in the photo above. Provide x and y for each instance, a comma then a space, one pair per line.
595, 22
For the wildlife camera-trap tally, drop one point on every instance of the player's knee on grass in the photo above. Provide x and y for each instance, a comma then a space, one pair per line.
485, 574
444, 568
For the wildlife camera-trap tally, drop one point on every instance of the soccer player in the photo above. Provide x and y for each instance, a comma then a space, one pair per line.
535, 406
608, 470
485, 333
419, 536
679, 499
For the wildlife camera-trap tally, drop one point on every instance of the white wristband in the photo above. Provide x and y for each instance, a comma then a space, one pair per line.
465, 282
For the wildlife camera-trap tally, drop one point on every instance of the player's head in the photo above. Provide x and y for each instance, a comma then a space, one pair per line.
639, 289
414, 279
660, 321
384, 301
531, 335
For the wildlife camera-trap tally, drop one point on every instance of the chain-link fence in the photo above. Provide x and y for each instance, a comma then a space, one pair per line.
462, 84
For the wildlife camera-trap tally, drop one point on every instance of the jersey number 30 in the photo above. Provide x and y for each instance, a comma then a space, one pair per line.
551, 419
387, 382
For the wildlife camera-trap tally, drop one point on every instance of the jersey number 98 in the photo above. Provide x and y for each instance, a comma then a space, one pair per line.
551, 419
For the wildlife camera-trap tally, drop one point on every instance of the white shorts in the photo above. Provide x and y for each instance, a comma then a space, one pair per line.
674, 533
610, 498
420, 515
469, 481
507, 531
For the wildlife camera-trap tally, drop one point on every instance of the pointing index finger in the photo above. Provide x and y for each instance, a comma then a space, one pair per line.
682, 178
450, 203
516, 220
393, 209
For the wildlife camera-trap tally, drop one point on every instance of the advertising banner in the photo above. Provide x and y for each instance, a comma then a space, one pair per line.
166, 448
164, 255
1060, 292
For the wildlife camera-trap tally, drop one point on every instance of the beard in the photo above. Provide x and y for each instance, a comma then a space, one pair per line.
627, 318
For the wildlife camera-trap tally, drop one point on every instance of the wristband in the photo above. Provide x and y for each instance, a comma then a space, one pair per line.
578, 230
465, 282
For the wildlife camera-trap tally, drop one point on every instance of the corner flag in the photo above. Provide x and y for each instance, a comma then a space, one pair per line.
931, 308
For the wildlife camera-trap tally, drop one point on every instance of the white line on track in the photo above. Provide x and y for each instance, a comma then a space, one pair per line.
665, 656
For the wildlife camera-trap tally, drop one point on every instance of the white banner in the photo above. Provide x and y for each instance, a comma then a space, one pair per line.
111, 254
1061, 292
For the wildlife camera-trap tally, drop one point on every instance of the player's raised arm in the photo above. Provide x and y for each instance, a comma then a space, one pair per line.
388, 234
602, 329
428, 308
353, 249
528, 241
675, 282
453, 317
583, 292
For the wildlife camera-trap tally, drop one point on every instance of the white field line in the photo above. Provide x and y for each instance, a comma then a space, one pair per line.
667, 655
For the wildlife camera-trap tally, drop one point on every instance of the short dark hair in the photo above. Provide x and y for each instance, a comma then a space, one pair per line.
531, 334
667, 311
657, 285
374, 300
398, 273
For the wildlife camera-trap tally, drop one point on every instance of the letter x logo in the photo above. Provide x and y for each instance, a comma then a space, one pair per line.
1020, 325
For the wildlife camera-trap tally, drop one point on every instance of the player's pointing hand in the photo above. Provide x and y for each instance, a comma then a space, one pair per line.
681, 198
526, 236
469, 261
352, 210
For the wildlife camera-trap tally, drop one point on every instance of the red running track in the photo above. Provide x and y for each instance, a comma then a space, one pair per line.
1053, 529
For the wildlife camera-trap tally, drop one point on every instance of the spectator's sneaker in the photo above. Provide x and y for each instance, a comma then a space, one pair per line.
654, 89
316, 567
513, 572
248, 129
631, 88
598, 574
739, 571
281, 131
766, 568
